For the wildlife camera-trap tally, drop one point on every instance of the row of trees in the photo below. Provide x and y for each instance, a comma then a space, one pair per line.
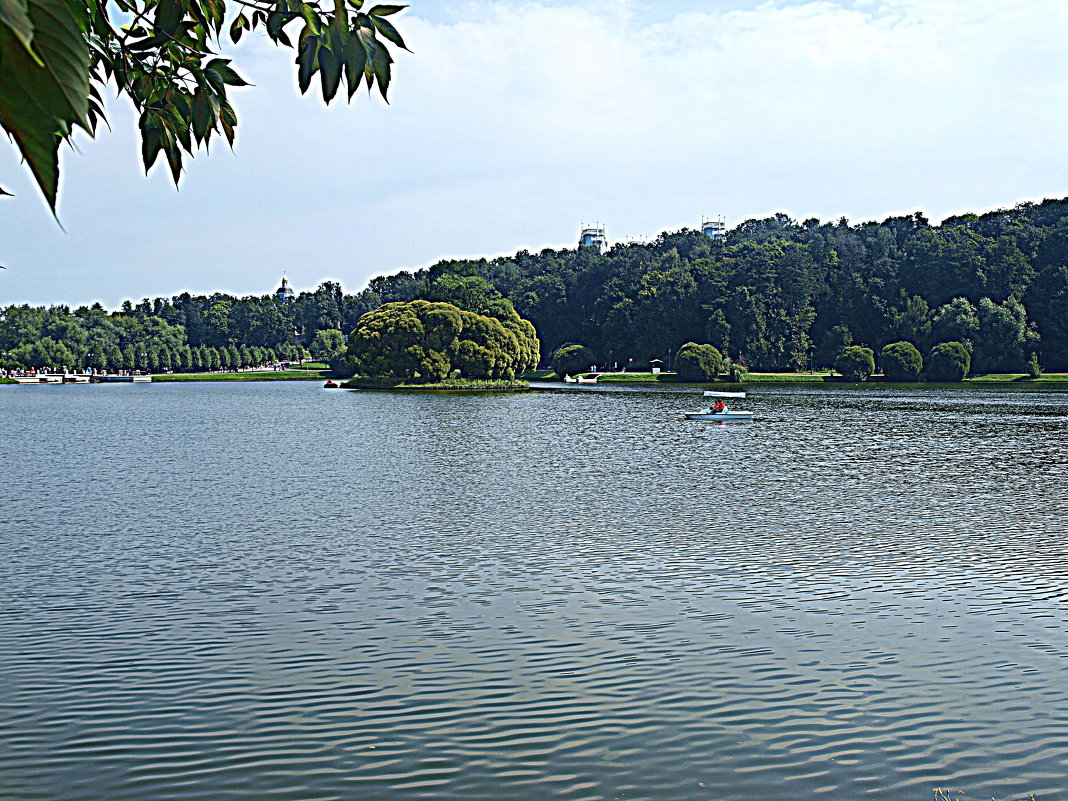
775, 294
167, 333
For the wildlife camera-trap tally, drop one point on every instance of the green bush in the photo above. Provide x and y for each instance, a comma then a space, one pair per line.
428, 341
736, 373
855, 363
901, 362
948, 361
1034, 369
696, 362
571, 359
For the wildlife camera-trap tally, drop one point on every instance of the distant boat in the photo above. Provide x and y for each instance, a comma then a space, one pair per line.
120, 379
591, 379
569, 379
719, 411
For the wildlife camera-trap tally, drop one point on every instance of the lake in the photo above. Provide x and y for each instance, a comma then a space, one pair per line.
236, 591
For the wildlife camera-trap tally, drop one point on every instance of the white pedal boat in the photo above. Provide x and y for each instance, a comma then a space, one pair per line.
722, 413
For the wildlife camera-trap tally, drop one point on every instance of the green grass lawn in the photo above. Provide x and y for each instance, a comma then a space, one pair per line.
1023, 378
672, 378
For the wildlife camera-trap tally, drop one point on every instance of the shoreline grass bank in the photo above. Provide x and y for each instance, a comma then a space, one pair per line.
449, 385
251, 375
798, 378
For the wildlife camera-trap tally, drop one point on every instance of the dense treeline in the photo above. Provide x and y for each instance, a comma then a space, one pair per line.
775, 294
779, 294
183, 333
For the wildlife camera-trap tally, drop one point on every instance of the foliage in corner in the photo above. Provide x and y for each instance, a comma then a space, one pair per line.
57, 55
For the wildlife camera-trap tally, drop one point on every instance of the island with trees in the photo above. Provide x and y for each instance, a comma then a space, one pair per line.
423, 344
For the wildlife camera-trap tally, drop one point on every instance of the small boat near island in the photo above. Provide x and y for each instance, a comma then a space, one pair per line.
719, 411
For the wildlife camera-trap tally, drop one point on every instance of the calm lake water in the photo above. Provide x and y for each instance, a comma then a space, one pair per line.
277, 591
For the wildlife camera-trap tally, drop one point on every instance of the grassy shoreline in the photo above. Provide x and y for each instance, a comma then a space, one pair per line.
801, 378
449, 385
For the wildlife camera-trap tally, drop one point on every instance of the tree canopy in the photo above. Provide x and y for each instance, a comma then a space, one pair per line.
776, 294
426, 341
56, 57
186, 332
695, 362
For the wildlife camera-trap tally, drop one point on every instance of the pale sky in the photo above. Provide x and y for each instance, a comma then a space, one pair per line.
513, 123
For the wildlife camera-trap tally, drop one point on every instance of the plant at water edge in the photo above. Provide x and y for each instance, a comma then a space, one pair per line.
1034, 369
902, 362
855, 363
948, 361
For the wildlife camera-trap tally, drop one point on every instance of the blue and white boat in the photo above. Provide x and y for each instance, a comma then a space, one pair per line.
720, 411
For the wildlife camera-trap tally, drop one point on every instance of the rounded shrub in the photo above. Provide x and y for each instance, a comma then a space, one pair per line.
855, 363
571, 359
901, 362
696, 362
948, 361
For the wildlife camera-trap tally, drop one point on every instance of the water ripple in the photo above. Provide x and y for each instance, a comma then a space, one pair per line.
564, 594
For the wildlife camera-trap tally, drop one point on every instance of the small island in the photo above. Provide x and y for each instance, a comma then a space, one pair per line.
435, 345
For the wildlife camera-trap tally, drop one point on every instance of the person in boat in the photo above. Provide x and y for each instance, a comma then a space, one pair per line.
718, 407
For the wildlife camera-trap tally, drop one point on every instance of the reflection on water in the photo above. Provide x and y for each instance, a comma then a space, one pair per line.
250, 590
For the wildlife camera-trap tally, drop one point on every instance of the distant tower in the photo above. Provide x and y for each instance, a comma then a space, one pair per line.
714, 228
284, 292
592, 236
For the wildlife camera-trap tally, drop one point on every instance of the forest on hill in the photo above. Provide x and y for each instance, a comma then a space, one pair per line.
778, 294
774, 294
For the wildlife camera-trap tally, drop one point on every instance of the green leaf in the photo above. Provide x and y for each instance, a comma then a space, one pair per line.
340, 22
385, 27
329, 73
367, 39
151, 142
217, 9
5, 193
237, 27
380, 66
169, 15
275, 21
221, 67
311, 19
15, 15
355, 63
385, 11
174, 157
203, 114
307, 61
228, 121
197, 12
40, 104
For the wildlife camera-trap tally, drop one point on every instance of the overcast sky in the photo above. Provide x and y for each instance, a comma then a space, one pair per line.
513, 123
